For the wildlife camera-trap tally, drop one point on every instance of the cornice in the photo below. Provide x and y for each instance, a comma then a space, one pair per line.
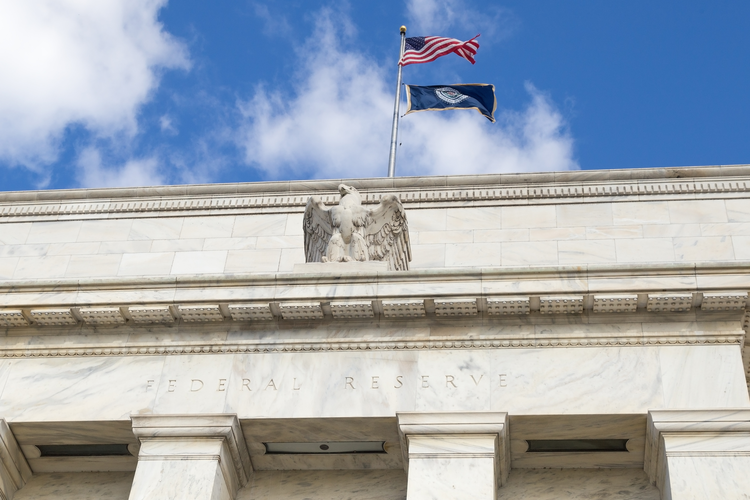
358, 345
414, 192
667, 293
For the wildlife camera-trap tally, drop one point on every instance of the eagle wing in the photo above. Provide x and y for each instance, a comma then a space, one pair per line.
318, 229
388, 234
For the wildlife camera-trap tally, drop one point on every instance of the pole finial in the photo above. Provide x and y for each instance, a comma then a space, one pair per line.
403, 29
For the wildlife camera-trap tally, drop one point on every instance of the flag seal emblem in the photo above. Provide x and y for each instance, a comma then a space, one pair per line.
449, 95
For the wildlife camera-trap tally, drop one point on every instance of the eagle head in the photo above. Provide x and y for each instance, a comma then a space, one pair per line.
348, 190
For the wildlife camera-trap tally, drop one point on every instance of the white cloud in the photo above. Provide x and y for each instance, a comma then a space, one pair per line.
85, 62
93, 173
441, 17
337, 124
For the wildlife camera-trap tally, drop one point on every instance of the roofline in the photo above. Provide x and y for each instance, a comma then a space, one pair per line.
326, 185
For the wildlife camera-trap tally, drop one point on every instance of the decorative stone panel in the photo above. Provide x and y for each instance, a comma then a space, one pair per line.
567, 304
455, 307
12, 317
353, 310
102, 316
200, 314
151, 314
723, 301
508, 305
669, 302
53, 317
250, 312
403, 308
301, 310
615, 303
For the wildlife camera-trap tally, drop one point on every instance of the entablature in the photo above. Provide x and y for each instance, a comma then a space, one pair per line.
427, 309
731, 181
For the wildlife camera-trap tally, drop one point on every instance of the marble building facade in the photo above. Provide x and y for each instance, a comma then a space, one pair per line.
558, 335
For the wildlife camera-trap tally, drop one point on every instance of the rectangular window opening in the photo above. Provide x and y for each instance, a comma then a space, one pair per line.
83, 450
576, 445
325, 448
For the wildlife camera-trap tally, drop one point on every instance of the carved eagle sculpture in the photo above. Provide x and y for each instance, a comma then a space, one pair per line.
351, 232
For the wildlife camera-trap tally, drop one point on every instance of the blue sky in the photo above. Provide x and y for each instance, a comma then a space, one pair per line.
143, 92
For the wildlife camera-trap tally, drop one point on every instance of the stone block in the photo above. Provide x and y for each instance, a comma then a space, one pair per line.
81, 266
200, 313
470, 218
508, 305
53, 317
102, 315
54, 232
301, 310
526, 217
666, 302
723, 301
199, 262
645, 250
615, 303
250, 312
351, 309
260, 225
207, 227
146, 264
403, 308
473, 254
585, 214
533, 253
586, 252
165, 228
12, 317
455, 307
566, 304
151, 314
253, 261
51, 266
105, 230
640, 212
696, 211
697, 249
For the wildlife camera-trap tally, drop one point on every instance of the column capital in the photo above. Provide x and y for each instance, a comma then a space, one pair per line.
710, 432
15, 469
462, 425
234, 457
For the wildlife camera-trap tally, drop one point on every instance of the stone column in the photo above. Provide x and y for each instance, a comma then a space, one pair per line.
14, 469
452, 456
200, 457
698, 454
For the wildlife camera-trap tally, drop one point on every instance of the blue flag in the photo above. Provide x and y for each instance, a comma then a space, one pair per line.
479, 96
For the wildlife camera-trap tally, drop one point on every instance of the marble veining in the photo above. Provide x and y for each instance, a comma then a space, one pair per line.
77, 486
581, 484
331, 485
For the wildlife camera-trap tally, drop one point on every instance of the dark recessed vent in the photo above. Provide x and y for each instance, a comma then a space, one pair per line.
576, 445
325, 448
83, 450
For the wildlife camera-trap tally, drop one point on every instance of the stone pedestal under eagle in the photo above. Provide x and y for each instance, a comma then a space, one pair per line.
350, 232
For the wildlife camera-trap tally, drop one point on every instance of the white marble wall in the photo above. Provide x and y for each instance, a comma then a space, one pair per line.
599, 484
353, 384
533, 235
331, 485
77, 486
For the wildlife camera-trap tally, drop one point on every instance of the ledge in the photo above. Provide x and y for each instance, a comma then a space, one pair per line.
414, 192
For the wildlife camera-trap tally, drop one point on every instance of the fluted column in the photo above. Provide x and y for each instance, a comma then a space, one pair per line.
454, 456
200, 457
699, 454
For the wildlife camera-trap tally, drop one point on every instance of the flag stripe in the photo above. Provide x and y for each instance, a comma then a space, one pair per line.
436, 46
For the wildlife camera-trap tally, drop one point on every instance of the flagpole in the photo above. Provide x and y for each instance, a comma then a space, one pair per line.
396, 106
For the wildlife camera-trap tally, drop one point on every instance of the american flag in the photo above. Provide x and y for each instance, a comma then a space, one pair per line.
423, 49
